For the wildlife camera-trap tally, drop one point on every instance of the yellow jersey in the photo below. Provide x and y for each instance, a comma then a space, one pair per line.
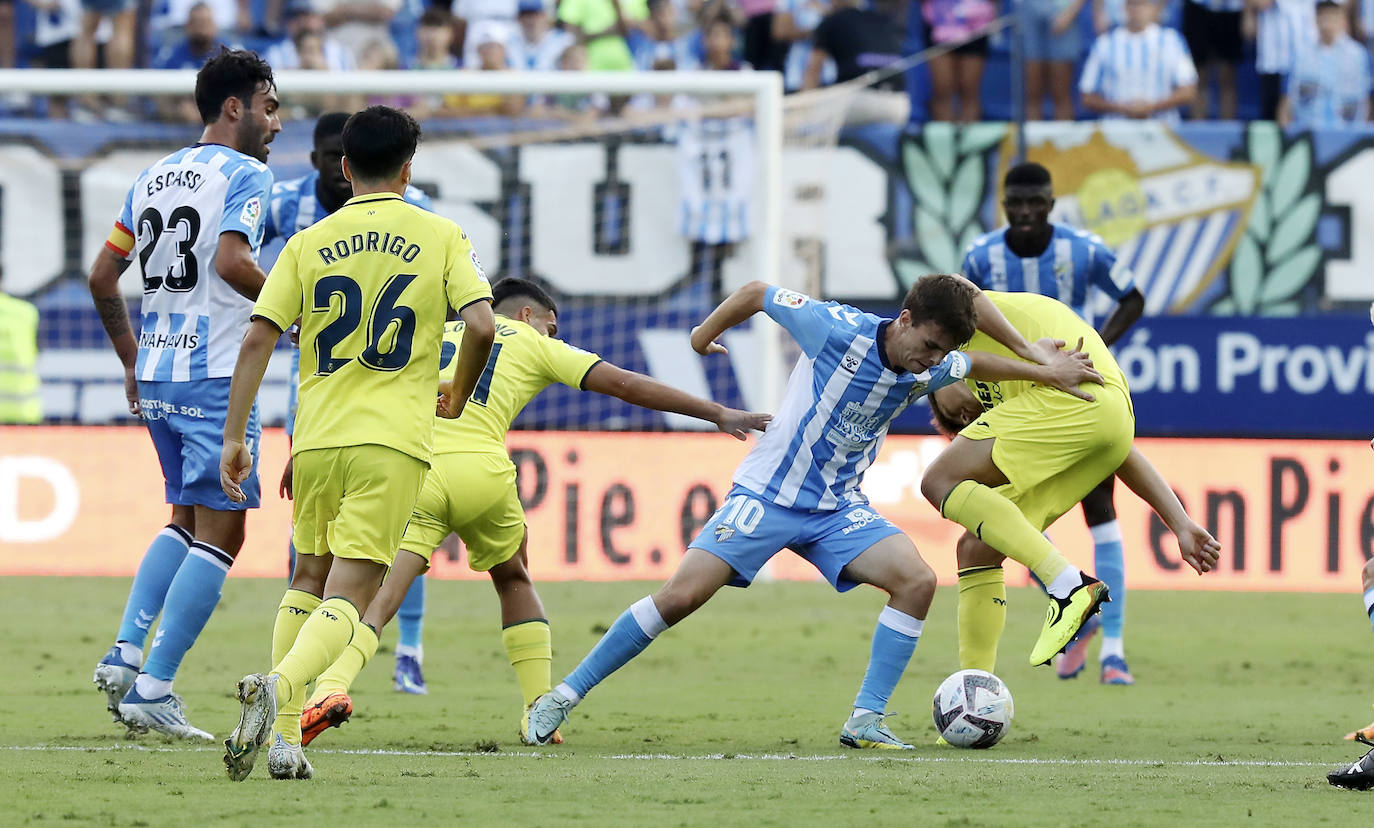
523, 362
1038, 317
371, 284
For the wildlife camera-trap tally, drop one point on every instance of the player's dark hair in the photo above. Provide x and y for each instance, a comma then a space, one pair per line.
378, 141
510, 288
232, 73
1029, 174
945, 300
329, 125
945, 424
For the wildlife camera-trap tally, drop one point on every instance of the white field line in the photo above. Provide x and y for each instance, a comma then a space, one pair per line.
979, 759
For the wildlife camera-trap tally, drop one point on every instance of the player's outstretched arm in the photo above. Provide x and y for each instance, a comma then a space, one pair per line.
114, 316
1126, 313
646, 392
236, 265
478, 334
235, 459
1196, 545
994, 324
1066, 370
736, 308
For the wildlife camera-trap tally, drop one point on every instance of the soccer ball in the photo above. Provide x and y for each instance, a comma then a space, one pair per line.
972, 709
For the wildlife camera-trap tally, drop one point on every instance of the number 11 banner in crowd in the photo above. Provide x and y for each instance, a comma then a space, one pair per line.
1291, 515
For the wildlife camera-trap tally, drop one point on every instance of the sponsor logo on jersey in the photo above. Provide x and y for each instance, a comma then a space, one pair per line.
854, 428
251, 212
850, 363
788, 298
858, 519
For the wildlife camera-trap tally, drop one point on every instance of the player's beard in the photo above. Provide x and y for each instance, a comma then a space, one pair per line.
253, 140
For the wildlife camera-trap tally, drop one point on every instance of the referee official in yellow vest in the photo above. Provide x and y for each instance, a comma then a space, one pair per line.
19, 400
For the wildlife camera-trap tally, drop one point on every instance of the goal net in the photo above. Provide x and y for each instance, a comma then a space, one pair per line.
639, 200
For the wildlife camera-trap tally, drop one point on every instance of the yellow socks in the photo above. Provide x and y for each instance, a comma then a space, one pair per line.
982, 616
345, 669
321, 641
997, 522
529, 646
296, 606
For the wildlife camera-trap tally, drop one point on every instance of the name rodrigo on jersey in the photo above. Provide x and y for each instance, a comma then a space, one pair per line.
371, 242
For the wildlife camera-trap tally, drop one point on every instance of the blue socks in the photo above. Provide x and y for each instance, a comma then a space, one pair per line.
190, 600
1369, 603
628, 636
894, 640
149, 589
1111, 570
412, 615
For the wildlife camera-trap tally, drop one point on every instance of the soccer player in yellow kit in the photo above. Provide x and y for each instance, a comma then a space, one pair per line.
1026, 454
371, 284
471, 488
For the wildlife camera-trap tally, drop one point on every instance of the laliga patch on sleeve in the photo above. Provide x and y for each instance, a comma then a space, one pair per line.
251, 212
958, 364
788, 298
477, 266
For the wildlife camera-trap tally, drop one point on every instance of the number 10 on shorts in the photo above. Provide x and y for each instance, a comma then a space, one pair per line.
741, 512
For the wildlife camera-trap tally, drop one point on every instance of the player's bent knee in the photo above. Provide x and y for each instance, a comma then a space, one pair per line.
971, 552
1369, 574
935, 486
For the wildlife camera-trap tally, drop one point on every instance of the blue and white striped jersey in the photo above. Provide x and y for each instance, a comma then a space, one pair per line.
1074, 262
1280, 28
542, 56
174, 214
716, 171
294, 206
839, 402
1329, 85
1149, 65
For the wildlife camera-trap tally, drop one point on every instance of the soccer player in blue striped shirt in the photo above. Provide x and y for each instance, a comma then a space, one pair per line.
195, 220
1035, 255
295, 205
799, 486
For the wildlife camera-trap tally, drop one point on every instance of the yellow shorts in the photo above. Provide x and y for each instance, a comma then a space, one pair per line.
354, 501
474, 495
1055, 448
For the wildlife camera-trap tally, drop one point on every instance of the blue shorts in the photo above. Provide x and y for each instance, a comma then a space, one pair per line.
748, 529
186, 422
1040, 42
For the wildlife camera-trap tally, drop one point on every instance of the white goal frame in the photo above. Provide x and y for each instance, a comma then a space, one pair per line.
765, 89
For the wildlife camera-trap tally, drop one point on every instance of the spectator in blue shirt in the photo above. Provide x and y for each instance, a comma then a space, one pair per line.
197, 44
200, 41
1330, 82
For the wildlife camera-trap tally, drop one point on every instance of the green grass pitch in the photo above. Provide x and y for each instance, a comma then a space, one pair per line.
730, 719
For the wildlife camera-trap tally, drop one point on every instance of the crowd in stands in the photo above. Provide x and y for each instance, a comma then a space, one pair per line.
1116, 58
